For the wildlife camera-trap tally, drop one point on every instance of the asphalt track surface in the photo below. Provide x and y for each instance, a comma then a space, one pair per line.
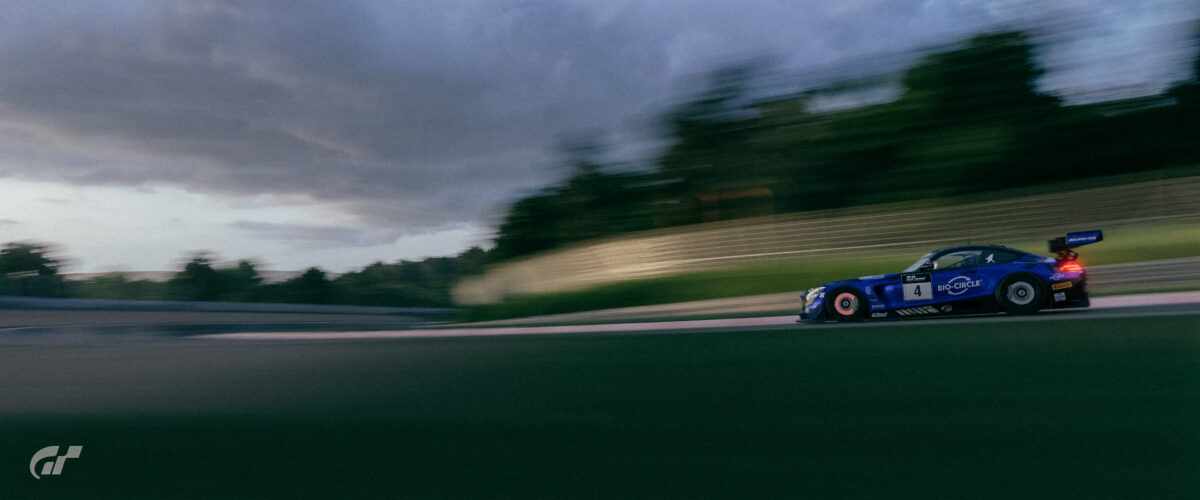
1102, 307
1099, 403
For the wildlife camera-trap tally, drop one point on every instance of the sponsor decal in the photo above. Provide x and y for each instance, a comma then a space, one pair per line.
1061, 286
947, 308
1057, 276
1083, 238
959, 285
1060, 297
991, 259
879, 315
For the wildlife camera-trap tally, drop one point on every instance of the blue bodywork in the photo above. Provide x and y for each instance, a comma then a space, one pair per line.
959, 280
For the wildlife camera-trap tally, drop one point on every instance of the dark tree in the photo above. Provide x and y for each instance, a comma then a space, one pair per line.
198, 281
240, 283
29, 269
312, 287
24, 257
712, 162
972, 119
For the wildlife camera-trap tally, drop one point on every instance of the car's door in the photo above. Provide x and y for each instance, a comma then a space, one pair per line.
969, 273
956, 275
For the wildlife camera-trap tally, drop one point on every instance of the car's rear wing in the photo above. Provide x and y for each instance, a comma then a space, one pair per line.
1073, 240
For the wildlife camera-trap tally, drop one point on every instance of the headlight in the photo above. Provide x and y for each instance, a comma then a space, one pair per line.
813, 293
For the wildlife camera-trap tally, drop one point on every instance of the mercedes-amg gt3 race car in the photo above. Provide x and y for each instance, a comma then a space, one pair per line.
968, 279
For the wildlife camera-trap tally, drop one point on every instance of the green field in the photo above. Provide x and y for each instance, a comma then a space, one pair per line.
1130, 243
1076, 408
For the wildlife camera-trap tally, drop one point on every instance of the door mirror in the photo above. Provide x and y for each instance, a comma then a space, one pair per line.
925, 268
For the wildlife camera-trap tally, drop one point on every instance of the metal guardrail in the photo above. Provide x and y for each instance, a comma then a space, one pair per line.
1101, 279
1160, 272
916, 226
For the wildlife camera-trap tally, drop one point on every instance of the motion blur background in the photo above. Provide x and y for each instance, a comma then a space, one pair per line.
1033, 123
497, 160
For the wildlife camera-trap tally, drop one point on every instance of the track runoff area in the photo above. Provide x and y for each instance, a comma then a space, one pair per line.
1124, 306
1096, 403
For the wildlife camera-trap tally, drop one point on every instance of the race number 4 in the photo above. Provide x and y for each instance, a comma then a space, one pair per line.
917, 287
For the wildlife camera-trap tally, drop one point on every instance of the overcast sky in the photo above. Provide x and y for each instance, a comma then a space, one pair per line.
340, 133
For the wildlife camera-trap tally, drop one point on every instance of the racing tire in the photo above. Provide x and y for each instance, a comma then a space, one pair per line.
846, 304
1021, 293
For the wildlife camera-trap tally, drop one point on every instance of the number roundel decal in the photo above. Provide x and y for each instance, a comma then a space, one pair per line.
917, 287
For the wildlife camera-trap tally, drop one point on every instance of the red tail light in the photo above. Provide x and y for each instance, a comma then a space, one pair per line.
1069, 267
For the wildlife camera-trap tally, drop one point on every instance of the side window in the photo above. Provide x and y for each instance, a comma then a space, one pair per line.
990, 257
959, 260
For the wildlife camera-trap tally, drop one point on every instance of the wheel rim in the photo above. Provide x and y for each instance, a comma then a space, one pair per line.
1021, 293
845, 303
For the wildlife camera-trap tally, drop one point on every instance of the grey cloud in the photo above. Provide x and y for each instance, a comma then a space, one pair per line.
319, 235
414, 115
324, 102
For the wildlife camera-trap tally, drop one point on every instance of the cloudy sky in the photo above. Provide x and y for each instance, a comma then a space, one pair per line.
340, 133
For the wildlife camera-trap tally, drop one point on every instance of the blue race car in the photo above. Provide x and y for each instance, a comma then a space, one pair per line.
968, 279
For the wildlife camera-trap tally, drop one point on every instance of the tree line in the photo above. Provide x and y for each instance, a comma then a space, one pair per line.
32, 269
964, 120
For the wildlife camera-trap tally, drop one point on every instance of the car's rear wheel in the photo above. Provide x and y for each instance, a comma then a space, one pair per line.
846, 304
1021, 293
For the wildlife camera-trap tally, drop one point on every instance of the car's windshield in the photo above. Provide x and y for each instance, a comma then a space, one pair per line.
920, 262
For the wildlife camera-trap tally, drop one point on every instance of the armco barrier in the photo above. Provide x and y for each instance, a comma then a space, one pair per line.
863, 230
1103, 279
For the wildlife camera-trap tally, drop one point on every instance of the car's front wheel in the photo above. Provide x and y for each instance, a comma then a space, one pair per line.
1021, 293
846, 304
